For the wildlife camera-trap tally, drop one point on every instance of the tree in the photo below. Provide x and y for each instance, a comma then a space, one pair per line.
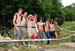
69, 12
56, 11
9, 7
44, 8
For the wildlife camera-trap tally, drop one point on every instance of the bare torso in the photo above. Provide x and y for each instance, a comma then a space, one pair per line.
41, 28
18, 20
52, 27
46, 27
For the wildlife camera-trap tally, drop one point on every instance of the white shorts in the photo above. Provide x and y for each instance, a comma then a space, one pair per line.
29, 31
34, 31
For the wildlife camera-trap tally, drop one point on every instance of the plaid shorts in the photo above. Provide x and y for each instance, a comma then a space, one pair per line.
20, 32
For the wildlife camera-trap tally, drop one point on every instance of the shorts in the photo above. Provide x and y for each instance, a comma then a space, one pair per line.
29, 31
52, 34
34, 31
20, 32
42, 35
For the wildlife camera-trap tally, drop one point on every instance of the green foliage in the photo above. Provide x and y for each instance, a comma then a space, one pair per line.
9, 7
69, 25
57, 11
69, 12
44, 8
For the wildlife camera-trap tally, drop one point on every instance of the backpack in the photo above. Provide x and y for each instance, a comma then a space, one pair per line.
16, 19
26, 23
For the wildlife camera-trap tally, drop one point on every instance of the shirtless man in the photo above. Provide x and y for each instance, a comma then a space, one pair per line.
52, 29
17, 22
41, 29
24, 21
47, 33
24, 24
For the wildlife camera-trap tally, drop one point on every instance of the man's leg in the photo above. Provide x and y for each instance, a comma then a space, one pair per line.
17, 36
48, 37
29, 35
22, 35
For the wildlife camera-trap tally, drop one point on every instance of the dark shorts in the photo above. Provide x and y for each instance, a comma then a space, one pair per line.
52, 34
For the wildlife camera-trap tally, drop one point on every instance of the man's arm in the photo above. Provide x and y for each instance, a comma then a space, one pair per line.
37, 28
14, 18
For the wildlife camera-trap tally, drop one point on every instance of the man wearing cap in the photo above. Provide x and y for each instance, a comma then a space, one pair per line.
29, 25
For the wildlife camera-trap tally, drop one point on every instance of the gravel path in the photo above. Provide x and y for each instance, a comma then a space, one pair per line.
59, 49
63, 47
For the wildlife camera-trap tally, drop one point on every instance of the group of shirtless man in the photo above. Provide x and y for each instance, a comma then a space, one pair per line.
25, 23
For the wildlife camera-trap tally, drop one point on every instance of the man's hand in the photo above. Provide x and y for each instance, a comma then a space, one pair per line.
17, 28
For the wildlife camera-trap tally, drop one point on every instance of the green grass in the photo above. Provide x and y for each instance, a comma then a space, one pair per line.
69, 26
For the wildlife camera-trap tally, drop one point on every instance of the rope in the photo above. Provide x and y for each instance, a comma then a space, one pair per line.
26, 40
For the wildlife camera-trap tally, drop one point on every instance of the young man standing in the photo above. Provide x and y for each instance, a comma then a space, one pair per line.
53, 29
47, 33
41, 29
29, 27
24, 24
18, 31
34, 27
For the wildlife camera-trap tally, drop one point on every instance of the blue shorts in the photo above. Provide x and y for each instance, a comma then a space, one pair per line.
42, 35
20, 32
